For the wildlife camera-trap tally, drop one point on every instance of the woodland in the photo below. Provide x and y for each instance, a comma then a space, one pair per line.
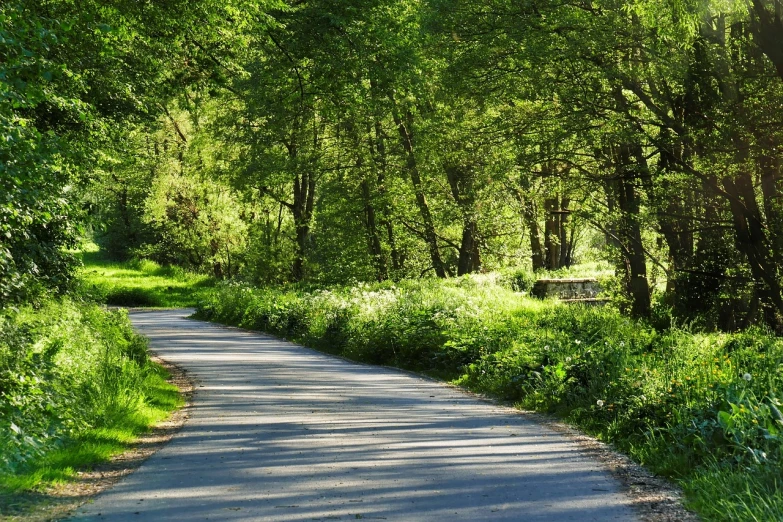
313, 155
335, 141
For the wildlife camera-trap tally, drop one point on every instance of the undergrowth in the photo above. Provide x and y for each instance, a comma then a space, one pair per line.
703, 408
140, 283
76, 387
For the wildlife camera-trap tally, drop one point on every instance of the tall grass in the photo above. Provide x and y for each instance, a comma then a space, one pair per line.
140, 282
76, 386
703, 408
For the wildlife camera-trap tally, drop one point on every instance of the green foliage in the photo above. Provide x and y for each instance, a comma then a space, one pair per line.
140, 283
71, 373
77, 82
35, 159
729, 493
686, 404
196, 226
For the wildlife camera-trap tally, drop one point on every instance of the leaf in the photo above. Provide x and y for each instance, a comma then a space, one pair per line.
776, 413
725, 420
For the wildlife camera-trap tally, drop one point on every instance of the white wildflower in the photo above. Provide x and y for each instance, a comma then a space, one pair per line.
578, 341
546, 347
747, 377
622, 344
600, 403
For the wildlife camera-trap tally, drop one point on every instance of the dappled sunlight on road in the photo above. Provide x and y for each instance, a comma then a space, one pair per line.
280, 432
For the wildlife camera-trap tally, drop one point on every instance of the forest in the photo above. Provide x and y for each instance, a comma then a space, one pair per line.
319, 159
333, 142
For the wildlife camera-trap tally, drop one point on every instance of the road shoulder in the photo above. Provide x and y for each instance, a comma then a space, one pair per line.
60, 501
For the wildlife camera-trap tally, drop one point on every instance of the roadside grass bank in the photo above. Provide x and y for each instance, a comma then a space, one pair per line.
140, 283
76, 388
702, 408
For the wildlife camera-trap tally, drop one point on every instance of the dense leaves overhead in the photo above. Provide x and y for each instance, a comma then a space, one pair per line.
71, 73
325, 141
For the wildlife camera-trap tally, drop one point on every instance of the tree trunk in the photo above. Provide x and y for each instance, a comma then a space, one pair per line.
672, 210
629, 229
752, 241
378, 153
552, 234
565, 244
536, 248
530, 220
767, 29
638, 286
373, 238
302, 209
460, 180
405, 129
771, 182
469, 251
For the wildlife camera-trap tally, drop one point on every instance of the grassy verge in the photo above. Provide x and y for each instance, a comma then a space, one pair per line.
703, 408
141, 283
76, 388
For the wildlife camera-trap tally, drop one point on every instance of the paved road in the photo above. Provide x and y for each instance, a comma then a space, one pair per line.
282, 433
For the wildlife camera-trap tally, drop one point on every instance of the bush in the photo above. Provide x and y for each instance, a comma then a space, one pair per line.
65, 369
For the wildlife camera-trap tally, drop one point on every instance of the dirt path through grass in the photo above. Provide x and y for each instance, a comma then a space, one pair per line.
280, 432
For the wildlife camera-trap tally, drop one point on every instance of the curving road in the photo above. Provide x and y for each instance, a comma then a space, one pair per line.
279, 432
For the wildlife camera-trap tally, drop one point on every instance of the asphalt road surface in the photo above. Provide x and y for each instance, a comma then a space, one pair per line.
279, 432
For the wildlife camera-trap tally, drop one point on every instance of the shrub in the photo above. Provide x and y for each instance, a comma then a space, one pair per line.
64, 369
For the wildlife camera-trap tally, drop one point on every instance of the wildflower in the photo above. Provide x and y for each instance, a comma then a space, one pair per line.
622, 344
568, 359
600, 403
546, 347
747, 377
578, 341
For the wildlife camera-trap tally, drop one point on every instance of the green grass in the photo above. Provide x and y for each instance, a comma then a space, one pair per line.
702, 408
721, 493
76, 388
140, 283
97, 444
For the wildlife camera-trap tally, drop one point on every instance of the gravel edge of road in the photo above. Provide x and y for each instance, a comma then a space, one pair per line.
655, 498
60, 502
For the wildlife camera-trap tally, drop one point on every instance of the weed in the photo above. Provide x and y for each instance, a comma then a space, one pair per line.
76, 386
